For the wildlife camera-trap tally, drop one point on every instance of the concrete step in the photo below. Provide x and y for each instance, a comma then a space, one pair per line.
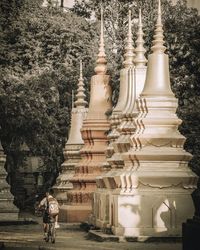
100, 236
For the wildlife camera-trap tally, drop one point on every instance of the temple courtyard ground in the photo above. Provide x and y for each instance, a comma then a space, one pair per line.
69, 236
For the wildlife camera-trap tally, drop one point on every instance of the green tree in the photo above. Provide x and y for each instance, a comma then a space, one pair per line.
39, 60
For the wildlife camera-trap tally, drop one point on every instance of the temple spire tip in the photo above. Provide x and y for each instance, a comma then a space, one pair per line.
80, 95
158, 42
101, 67
81, 69
129, 54
140, 16
140, 59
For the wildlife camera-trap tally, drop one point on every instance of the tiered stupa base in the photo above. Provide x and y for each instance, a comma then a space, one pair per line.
144, 211
151, 212
8, 211
75, 213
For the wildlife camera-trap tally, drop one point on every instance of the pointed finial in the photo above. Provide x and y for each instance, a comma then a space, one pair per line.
81, 69
80, 96
158, 42
159, 11
140, 17
129, 54
101, 67
140, 59
72, 98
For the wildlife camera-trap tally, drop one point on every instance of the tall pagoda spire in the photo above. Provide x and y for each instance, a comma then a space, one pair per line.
158, 42
129, 54
101, 67
72, 148
80, 96
140, 59
95, 126
158, 79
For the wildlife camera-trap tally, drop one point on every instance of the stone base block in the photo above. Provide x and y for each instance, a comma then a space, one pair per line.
144, 234
9, 216
76, 214
157, 213
191, 234
100, 236
101, 224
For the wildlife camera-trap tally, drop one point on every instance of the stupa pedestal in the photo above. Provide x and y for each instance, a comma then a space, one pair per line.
8, 211
94, 130
71, 152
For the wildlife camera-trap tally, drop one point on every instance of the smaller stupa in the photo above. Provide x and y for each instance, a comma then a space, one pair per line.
94, 133
72, 148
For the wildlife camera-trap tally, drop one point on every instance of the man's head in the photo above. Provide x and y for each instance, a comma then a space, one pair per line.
49, 192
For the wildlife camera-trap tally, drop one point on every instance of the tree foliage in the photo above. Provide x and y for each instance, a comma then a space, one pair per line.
39, 60
182, 36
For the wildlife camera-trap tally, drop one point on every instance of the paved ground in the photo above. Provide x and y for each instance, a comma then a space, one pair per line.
70, 237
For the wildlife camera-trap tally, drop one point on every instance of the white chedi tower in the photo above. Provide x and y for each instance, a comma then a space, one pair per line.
93, 131
131, 84
100, 202
132, 77
152, 196
72, 148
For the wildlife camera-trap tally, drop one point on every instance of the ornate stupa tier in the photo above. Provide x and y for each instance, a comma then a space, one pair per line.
156, 180
94, 130
159, 75
99, 102
8, 212
72, 149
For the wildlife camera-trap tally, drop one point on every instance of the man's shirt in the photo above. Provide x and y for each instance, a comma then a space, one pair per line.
43, 202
